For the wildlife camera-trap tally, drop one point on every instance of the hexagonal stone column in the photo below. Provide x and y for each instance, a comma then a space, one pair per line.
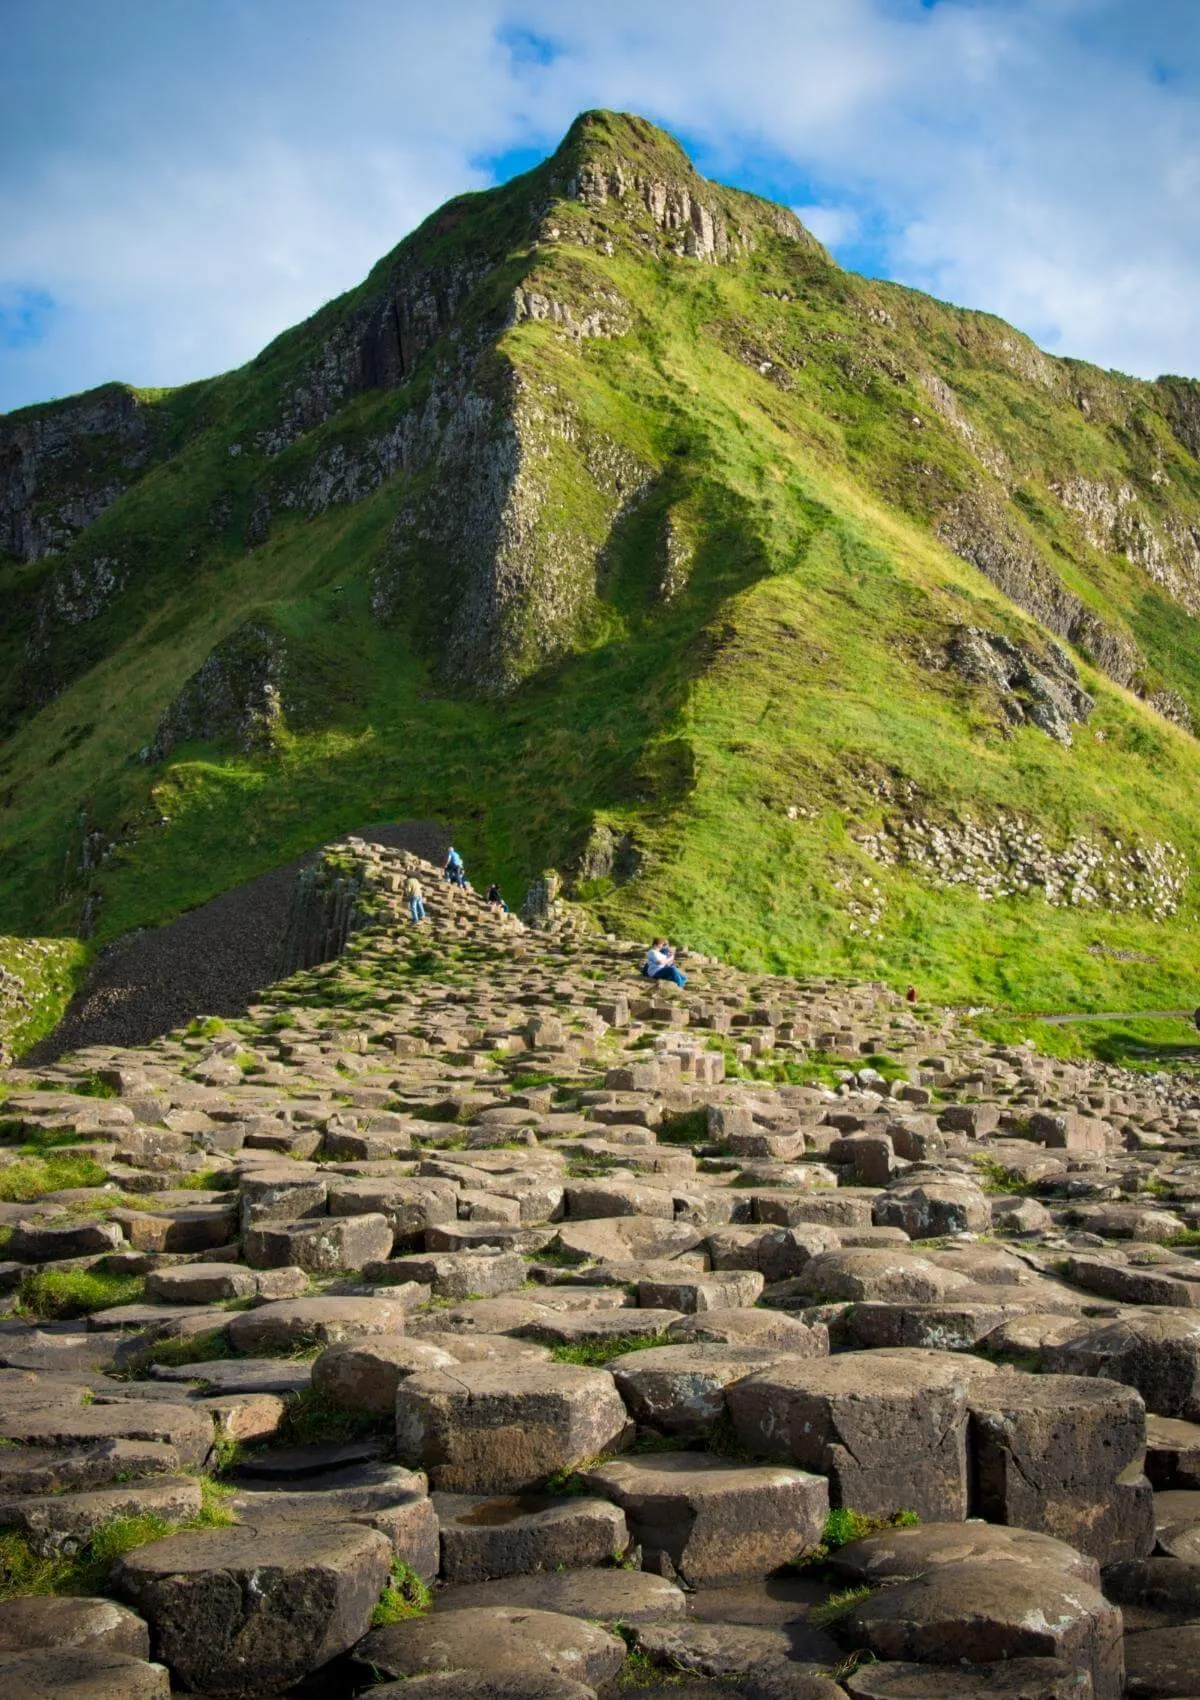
1063, 1454
505, 1427
887, 1428
718, 1522
247, 1612
992, 1609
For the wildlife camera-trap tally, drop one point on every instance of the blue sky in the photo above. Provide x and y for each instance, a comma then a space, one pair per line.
182, 179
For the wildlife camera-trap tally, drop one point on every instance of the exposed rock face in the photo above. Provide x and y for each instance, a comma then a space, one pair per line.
62, 465
234, 696
608, 855
1115, 521
979, 532
1041, 689
505, 590
1182, 396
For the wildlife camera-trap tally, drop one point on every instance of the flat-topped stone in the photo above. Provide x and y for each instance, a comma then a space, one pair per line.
502, 1427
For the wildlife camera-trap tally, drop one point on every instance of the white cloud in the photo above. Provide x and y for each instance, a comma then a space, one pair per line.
834, 226
185, 194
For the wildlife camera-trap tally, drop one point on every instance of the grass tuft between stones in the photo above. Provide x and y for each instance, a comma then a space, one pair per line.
311, 1418
34, 1177
596, 1353
204, 1348
58, 1295
838, 1606
23, 1570
406, 1596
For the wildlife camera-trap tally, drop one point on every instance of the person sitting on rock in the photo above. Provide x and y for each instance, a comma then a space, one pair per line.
660, 964
415, 898
454, 870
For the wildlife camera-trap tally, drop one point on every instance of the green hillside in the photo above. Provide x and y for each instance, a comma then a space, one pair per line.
818, 622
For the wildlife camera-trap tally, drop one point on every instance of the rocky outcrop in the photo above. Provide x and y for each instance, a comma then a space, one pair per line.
1010, 857
1035, 688
233, 697
979, 532
378, 345
608, 855
948, 405
1181, 403
508, 589
1114, 520
330, 899
609, 316
74, 594
63, 464
1172, 707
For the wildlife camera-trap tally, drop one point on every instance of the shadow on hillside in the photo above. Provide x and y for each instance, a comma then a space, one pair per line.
1124, 1050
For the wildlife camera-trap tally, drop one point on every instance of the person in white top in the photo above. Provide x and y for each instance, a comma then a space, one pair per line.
660, 964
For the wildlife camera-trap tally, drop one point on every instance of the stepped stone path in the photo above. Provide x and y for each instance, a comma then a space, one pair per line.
494, 1323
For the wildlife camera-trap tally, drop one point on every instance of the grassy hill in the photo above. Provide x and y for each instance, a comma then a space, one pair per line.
818, 622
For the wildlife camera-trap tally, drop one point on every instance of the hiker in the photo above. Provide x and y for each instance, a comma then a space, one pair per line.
660, 964
1196, 1020
415, 898
454, 870
910, 995
495, 901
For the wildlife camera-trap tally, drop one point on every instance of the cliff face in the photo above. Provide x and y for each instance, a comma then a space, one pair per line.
614, 470
63, 464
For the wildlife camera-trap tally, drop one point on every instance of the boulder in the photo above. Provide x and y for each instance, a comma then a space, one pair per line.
928, 1209
984, 1612
295, 1323
80, 1673
1011, 1679
1063, 1454
690, 1293
201, 1283
898, 1555
45, 1620
681, 1389
1157, 1353
456, 1275
363, 1374
741, 1327
897, 1277
611, 1595
325, 1245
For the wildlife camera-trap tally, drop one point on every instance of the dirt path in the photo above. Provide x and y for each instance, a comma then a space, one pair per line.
1132, 1015
214, 960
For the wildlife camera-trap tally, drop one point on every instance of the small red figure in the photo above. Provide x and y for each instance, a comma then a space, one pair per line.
911, 994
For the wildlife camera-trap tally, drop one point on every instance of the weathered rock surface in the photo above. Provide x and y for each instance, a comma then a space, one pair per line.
245, 1611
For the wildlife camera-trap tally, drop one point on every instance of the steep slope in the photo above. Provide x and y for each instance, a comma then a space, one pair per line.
613, 523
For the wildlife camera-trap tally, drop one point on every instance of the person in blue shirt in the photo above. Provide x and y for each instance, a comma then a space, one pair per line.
454, 870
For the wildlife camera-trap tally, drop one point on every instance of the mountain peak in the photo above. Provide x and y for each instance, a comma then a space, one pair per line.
601, 137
